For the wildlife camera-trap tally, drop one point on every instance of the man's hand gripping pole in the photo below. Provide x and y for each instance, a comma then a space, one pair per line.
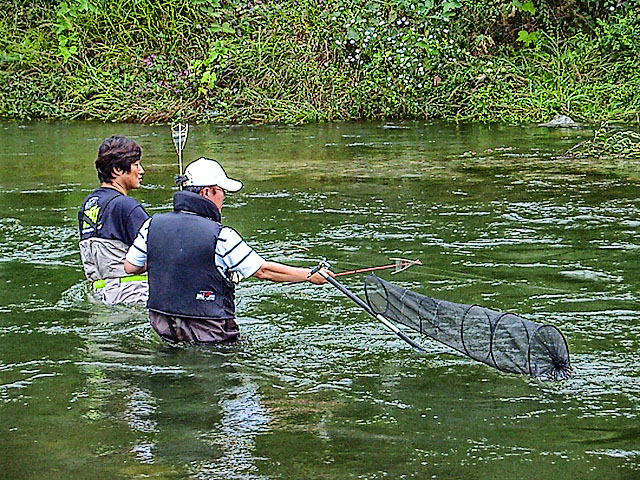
318, 269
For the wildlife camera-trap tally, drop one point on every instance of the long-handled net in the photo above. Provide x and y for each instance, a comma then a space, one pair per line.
502, 340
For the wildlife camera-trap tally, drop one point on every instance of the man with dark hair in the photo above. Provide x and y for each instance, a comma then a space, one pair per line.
194, 262
109, 221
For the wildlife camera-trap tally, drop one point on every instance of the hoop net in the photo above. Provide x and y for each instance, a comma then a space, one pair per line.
502, 340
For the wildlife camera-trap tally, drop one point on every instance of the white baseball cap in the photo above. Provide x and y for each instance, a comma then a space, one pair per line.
205, 172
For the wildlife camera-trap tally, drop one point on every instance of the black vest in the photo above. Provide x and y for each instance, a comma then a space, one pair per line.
183, 278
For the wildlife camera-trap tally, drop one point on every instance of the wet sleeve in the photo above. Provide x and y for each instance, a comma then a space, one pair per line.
136, 218
234, 255
137, 254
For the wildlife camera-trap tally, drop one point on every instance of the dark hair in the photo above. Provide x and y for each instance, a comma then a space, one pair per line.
116, 152
182, 179
193, 189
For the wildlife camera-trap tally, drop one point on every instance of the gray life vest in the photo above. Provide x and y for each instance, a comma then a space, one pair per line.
183, 278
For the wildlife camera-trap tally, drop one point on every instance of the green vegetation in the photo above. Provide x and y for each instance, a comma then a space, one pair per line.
608, 142
314, 60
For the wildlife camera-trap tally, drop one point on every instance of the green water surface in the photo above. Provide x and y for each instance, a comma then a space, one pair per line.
317, 389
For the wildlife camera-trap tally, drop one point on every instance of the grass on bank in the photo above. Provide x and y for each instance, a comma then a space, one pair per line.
292, 62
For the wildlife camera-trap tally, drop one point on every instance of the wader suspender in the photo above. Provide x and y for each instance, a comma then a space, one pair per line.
83, 217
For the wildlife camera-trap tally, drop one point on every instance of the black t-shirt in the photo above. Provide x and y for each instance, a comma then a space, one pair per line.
107, 213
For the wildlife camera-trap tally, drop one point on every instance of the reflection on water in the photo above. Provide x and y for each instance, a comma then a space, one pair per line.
316, 389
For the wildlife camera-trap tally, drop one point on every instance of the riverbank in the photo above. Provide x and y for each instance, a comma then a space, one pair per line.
297, 62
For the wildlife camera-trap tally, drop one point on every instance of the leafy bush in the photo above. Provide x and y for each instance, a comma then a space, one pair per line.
319, 60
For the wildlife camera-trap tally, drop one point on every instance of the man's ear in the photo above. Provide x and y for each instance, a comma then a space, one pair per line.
117, 171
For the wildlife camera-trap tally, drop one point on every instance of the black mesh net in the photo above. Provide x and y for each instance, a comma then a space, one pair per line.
502, 340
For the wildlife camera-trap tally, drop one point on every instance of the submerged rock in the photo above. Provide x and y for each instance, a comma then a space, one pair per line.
560, 121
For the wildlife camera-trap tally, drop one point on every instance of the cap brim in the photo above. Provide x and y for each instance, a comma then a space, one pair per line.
230, 185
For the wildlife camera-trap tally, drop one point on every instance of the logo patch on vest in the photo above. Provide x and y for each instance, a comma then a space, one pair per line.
205, 296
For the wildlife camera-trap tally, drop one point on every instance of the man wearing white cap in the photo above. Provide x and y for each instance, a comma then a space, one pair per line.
194, 262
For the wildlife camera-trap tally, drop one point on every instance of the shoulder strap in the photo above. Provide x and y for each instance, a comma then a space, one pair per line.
93, 215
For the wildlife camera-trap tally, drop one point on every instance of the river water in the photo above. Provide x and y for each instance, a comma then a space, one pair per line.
317, 389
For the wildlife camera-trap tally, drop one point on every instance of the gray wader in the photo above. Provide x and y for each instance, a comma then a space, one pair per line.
103, 263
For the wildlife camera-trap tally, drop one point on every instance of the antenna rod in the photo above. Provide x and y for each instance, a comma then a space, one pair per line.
179, 133
400, 265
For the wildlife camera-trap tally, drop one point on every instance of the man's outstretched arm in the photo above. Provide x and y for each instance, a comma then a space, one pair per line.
279, 272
